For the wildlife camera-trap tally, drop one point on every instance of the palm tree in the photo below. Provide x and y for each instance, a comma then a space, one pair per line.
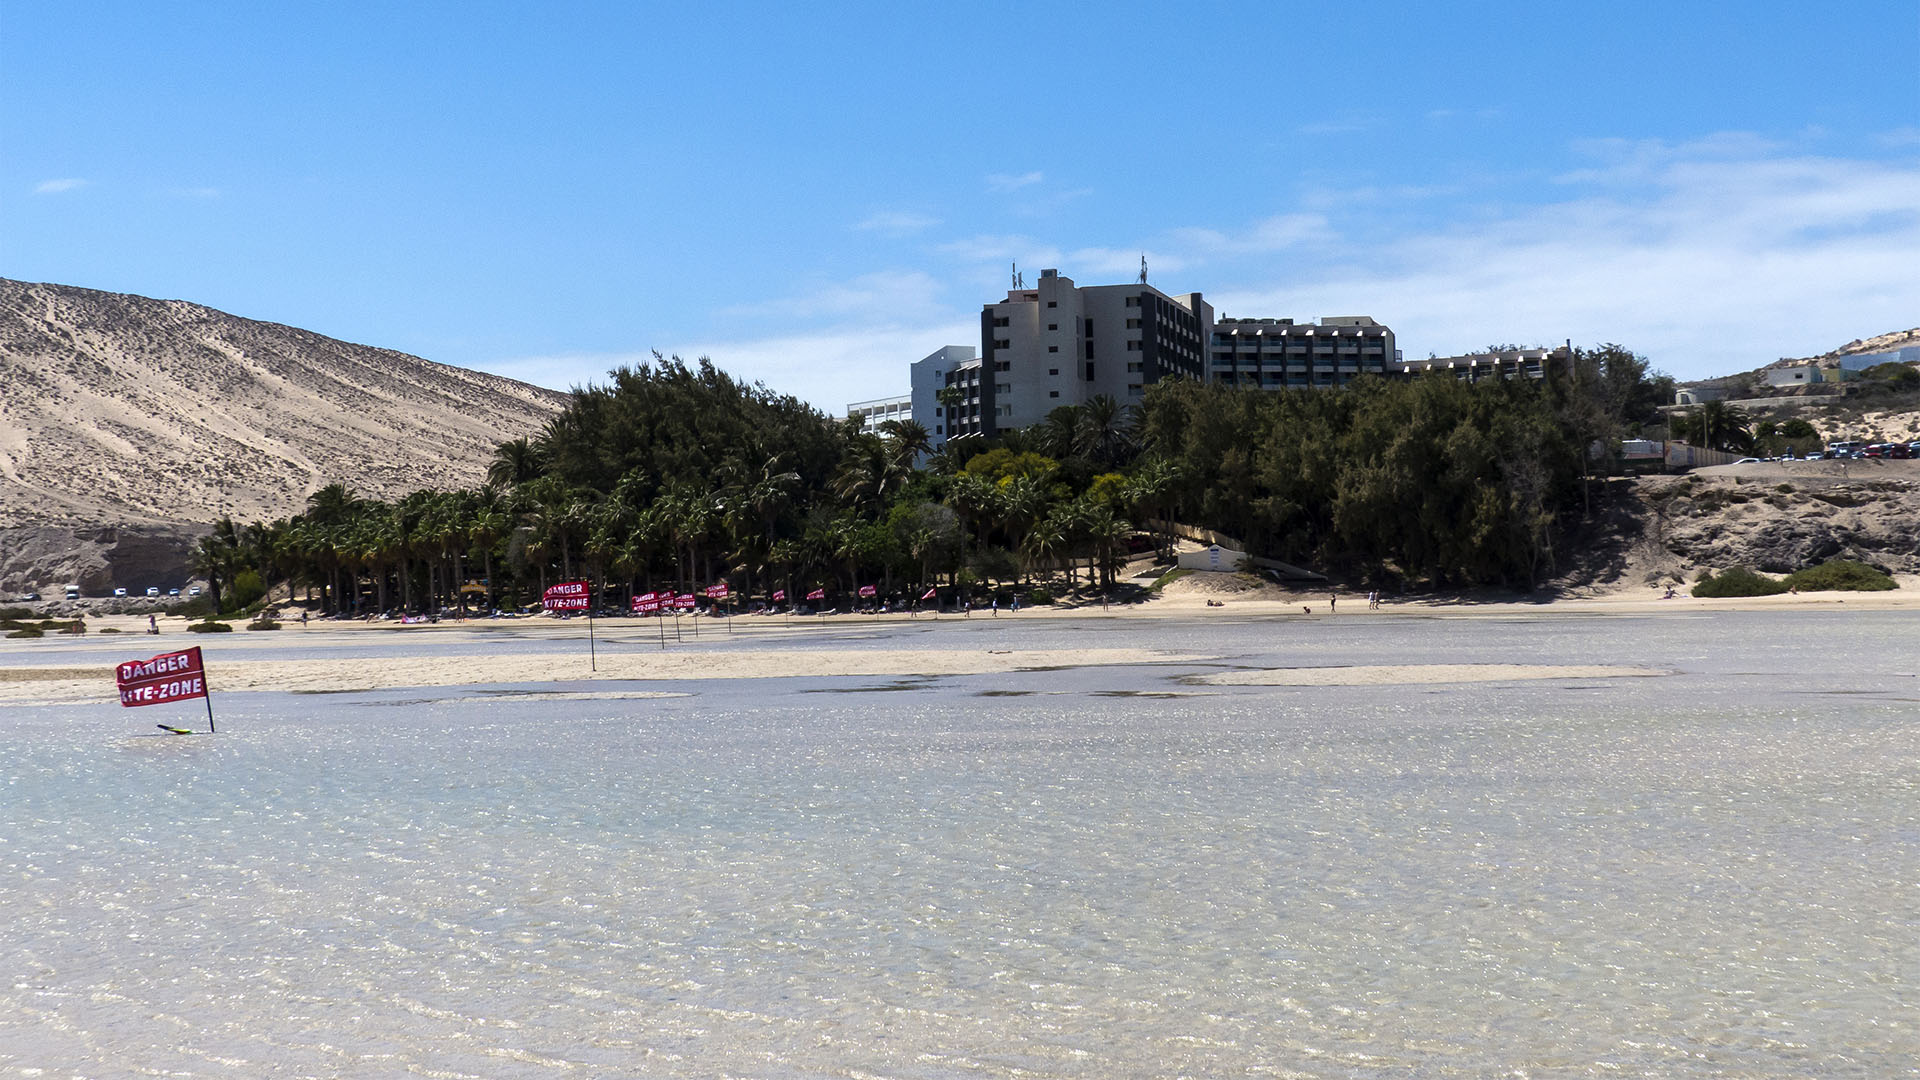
1104, 425
515, 461
490, 522
907, 442
213, 560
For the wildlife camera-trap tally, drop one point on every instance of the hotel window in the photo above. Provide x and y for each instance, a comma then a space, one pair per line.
1053, 393
1053, 348
1002, 343
1003, 321
1133, 390
1002, 388
1053, 303
1053, 326
1135, 366
1133, 301
1053, 371
1133, 324
1133, 346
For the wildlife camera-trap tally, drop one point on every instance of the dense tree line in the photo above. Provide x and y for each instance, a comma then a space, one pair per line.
674, 475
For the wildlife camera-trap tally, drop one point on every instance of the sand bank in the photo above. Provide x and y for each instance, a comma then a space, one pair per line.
1411, 674
405, 669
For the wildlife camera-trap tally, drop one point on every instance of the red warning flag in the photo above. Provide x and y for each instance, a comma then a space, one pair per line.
174, 676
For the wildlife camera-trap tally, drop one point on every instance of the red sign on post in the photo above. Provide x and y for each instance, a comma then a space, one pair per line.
685, 602
718, 592
567, 596
174, 676
868, 590
646, 603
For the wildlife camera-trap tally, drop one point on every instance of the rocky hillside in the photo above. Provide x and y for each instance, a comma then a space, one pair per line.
121, 410
1777, 518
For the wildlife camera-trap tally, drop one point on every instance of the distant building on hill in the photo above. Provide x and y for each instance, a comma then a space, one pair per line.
1700, 393
878, 411
1908, 354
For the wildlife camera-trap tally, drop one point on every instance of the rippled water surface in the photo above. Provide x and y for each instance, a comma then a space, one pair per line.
1090, 872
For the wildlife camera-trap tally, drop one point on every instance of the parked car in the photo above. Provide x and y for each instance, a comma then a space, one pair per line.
195, 591
119, 592
73, 592
1814, 455
173, 592
1899, 450
1748, 461
31, 596
153, 590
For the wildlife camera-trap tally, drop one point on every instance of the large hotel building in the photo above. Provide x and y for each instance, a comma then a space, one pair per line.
1060, 344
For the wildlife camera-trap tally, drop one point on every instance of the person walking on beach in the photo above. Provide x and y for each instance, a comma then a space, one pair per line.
153, 624
1333, 598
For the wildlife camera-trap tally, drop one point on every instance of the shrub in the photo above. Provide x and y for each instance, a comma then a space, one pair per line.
1739, 581
1039, 596
263, 623
26, 632
247, 589
8, 614
209, 627
111, 630
1840, 575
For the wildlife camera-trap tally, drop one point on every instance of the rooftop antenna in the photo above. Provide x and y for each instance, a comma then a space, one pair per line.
1017, 283
1143, 268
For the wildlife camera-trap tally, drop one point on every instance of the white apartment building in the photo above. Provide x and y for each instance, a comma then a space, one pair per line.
1280, 354
872, 414
1507, 364
932, 374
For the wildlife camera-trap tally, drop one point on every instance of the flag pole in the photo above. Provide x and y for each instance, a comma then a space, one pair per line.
204, 685
593, 661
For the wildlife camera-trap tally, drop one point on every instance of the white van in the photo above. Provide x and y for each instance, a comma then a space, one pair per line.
73, 592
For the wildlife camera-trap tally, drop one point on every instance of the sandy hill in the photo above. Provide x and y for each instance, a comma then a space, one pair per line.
121, 410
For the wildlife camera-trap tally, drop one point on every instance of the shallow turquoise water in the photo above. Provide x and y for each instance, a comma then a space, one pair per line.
1055, 873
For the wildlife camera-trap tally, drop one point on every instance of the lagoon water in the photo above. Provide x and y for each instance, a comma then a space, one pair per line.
1088, 872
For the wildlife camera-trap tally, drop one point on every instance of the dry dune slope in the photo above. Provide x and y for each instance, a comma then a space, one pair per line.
118, 409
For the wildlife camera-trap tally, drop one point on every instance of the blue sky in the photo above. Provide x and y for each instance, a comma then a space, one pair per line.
816, 195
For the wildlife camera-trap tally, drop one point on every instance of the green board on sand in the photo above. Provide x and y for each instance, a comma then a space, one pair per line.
175, 730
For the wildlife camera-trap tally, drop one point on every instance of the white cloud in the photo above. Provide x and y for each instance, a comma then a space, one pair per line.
1009, 182
57, 187
896, 222
1278, 233
1710, 258
893, 295
829, 368
837, 365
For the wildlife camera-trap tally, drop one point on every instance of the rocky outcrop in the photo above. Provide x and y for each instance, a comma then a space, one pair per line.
97, 558
1782, 521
